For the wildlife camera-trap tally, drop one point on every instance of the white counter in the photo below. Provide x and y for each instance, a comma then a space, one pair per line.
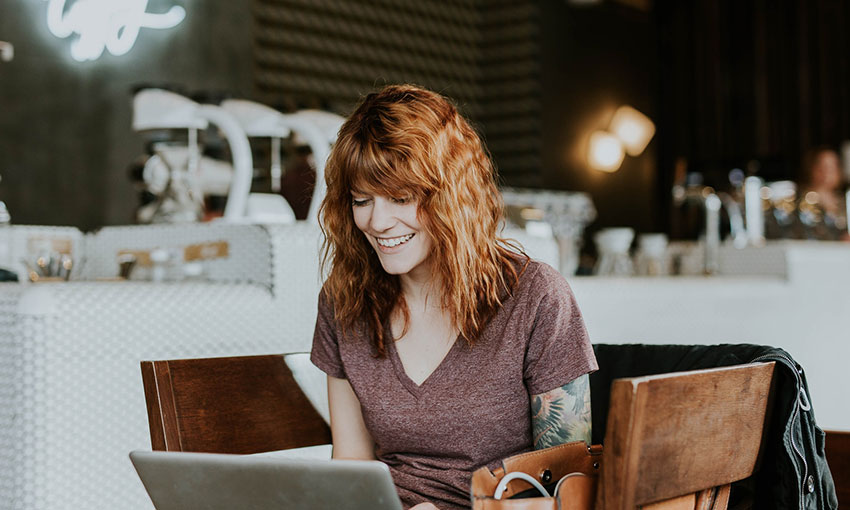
807, 314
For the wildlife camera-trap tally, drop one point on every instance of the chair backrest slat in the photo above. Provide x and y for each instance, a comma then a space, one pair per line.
246, 404
674, 434
162, 418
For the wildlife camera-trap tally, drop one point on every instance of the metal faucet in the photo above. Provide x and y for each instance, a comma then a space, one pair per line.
743, 233
712, 234
753, 210
711, 203
736, 220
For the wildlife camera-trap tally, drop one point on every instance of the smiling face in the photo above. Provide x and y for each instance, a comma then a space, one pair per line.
394, 230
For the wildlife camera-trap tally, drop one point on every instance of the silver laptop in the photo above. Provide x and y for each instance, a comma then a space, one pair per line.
208, 481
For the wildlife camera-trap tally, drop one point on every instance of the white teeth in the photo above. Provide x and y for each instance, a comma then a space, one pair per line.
395, 241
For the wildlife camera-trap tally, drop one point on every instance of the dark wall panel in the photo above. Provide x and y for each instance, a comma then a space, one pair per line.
333, 51
510, 82
481, 53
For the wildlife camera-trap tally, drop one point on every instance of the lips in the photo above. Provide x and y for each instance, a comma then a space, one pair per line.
392, 242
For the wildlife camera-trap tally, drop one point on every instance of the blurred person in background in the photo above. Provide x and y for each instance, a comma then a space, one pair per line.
822, 207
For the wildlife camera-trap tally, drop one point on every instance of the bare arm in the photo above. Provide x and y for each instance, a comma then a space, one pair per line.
562, 415
351, 440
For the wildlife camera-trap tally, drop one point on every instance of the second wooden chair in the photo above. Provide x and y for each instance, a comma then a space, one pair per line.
242, 405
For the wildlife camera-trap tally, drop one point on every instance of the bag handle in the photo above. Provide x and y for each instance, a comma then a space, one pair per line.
503, 484
552, 463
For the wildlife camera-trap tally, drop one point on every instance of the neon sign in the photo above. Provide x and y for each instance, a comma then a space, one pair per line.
111, 25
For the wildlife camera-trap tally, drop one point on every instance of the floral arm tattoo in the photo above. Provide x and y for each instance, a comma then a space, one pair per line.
562, 415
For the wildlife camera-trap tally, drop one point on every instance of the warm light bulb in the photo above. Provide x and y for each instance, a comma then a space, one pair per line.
605, 152
633, 128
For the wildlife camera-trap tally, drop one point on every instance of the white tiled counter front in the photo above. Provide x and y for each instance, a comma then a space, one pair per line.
74, 404
807, 314
71, 400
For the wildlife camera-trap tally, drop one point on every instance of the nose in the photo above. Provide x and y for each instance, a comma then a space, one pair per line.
383, 218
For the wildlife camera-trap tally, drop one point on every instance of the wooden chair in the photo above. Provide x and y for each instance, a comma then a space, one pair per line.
838, 456
240, 405
676, 441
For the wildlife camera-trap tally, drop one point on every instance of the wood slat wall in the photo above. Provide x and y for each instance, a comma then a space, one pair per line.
483, 54
510, 81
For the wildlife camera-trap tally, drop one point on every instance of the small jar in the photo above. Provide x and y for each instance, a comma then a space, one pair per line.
613, 245
651, 258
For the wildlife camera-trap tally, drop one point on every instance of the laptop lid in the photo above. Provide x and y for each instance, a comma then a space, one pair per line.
208, 481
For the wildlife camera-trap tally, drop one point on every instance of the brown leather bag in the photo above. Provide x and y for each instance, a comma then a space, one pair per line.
575, 465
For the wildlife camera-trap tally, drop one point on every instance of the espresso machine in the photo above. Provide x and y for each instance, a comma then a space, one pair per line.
179, 176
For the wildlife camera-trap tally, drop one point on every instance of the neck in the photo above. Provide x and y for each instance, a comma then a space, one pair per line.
421, 290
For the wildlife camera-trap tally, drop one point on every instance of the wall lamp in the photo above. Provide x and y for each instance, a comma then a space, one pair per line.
605, 152
629, 133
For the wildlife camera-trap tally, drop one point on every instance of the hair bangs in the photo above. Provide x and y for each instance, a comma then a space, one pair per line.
382, 171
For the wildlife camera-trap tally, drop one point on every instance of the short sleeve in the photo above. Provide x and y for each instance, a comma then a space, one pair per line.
325, 352
559, 348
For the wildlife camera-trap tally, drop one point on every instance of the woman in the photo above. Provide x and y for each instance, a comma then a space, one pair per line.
822, 206
446, 348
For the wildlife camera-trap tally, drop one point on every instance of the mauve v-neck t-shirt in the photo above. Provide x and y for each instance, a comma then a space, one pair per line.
473, 410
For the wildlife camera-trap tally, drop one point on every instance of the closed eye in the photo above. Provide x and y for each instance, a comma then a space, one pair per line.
359, 202
401, 200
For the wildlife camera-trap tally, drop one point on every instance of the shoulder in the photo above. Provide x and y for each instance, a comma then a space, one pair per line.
543, 290
329, 323
326, 314
540, 279
543, 271
325, 308
325, 300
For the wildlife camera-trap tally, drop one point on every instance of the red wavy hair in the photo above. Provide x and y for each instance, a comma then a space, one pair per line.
405, 140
